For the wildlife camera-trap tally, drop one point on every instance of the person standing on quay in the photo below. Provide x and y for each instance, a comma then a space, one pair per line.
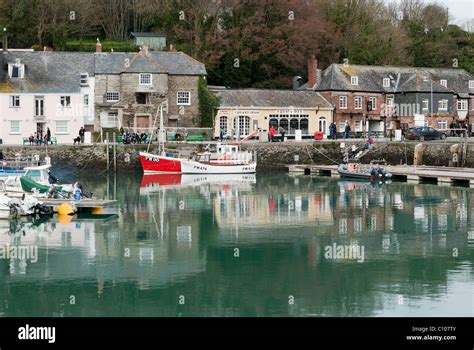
272, 133
347, 130
48, 135
281, 130
82, 131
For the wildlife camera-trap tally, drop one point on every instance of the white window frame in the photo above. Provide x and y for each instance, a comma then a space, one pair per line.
471, 84
462, 105
112, 96
147, 77
86, 100
342, 126
16, 130
84, 79
442, 124
425, 105
342, 105
63, 130
358, 102
443, 105
21, 70
223, 123
386, 82
373, 102
65, 101
358, 126
39, 106
443, 82
15, 101
178, 97
354, 80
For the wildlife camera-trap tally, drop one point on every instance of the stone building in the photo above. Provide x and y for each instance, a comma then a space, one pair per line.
131, 86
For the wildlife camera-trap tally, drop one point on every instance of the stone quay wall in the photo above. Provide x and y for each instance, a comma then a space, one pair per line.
269, 155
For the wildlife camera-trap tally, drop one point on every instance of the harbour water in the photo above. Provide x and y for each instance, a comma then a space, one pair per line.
265, 245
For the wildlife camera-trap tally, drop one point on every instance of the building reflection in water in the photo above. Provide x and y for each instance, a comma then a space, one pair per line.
177, 234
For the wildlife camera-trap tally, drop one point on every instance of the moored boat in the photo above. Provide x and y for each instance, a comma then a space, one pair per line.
361, 172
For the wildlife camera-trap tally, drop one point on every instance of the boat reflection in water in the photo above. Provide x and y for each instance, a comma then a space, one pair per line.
177, 235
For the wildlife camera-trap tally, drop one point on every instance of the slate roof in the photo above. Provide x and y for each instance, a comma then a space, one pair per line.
145, 34
272, 98
54, 71
46, 71
402, 79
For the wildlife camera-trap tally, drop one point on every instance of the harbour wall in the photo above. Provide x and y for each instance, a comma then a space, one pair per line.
269, 155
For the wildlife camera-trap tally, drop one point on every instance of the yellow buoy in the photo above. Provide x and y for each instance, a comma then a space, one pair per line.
65, 209
65, 219
97, 211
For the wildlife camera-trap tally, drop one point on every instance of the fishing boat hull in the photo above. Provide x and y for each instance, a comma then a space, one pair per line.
155, 164
357, 175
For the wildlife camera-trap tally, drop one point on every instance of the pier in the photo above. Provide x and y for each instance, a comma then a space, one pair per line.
83, 204
409, 173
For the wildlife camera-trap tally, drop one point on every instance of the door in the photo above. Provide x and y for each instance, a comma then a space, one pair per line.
142, 122
40, 129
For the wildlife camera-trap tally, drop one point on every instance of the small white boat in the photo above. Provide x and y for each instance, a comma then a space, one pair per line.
14, 207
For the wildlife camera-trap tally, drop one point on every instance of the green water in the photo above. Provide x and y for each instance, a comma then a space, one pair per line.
257, 246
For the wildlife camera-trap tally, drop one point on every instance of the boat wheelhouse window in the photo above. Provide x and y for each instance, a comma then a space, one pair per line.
304, 125
284, 124
204, 158
34, 175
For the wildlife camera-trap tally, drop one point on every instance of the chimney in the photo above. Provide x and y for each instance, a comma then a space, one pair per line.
5, 40
312, 72
98, 46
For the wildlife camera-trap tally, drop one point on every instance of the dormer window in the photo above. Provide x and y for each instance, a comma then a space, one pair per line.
443, 82
16, 70
145, 79
355, 80
386, 82
471, 84
84, 79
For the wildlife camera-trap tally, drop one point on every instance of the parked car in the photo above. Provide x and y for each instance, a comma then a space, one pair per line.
425, 133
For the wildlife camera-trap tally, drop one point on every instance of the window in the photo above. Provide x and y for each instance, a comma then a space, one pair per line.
342, 126
471, 84
462, 105
304, 125
39, 106
223, 124
355, 80
442, 105
65, 101
243, 126
373, 102
14, 126
342, 102
86, 100
322, 124
443, 82
14, 101
61, 127
358, 102
112, 96
84, 79
16, 70
141, 98
358, 125
183, 98
145, 79
442, 124
389, 101
424, 105
112, 119
386, 82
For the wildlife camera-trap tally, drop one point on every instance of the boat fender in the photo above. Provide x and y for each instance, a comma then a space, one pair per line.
65, 209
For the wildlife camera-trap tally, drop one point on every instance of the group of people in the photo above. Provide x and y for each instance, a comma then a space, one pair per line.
281, 131
38, 139
455, 125
134, 137
333, 131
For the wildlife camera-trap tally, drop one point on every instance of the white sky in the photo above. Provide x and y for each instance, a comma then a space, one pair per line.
459, 10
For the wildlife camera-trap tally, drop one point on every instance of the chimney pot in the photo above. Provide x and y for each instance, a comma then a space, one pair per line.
98, 46
312, 72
